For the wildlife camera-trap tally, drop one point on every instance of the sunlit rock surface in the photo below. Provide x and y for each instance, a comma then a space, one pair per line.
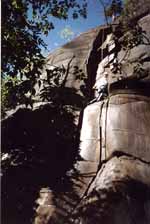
115, 136
127, 59
120, 193
79, 48
110, 181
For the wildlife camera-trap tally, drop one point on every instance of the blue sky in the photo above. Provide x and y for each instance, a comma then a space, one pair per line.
56, 37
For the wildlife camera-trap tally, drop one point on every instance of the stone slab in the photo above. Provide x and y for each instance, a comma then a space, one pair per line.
128, 126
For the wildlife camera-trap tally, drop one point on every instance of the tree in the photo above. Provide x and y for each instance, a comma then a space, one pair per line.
114, 9
23, 22
111, 8
134, 8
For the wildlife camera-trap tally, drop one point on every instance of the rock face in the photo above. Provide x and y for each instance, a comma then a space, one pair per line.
110, 181
74, 58
119, 194
80, 49
44, 141
121, 185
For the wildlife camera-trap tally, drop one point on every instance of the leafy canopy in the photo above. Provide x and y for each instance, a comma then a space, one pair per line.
23, 22
114, 9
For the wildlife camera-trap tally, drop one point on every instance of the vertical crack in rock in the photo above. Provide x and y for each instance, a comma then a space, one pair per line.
110, 181
120, 193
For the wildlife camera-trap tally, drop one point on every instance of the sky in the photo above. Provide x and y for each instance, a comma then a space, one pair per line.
66, 30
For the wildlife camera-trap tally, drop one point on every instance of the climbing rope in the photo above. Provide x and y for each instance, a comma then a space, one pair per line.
99, 166
105, 102
101, 44
100, 130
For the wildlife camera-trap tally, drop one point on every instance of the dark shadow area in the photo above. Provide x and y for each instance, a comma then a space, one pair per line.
130, 85
96, 55
41, 146
55, 86
62, 95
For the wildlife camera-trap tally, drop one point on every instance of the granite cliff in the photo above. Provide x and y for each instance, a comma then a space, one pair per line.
110, 183
105, 178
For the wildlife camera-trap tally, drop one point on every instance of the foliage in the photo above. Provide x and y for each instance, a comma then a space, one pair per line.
23, 22
15, 91
38, 146
114, 9
111, 9
129, 34
54, 85
133, 35
44, 140
134, 8
41, 142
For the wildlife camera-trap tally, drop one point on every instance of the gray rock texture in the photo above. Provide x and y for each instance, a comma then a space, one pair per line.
110, 181
79, 48
120, 193
115, 140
